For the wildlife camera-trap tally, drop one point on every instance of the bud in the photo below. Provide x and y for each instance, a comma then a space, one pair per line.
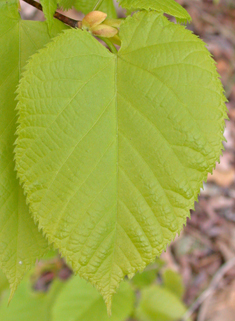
93, 19
104, 31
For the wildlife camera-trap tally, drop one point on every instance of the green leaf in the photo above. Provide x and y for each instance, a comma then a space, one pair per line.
170, 7
147, 277
66, 4
3, 282
80, 301
159, 304
108, 7
114, 153
49, 8
87, 6
20, 242
141, 280
173, 282
28, 305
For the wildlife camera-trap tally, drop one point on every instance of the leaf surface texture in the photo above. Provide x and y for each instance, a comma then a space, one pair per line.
113, 149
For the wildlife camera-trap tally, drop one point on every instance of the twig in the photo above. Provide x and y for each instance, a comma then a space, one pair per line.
68, 21
211, 289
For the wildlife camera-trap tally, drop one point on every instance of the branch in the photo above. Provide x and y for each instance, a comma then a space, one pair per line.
68, 21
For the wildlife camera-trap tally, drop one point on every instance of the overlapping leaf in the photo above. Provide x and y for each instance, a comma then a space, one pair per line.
79, 301
49, 8
113, 149
159, 304
28, 305
73, 300
86, 6
20, 242
170, 7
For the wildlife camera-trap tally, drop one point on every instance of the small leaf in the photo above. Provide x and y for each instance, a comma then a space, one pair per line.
173, 282
115, 151
141, 280
170, 7
66, 4
28, 305
159, 304
87, 6
80, 301
20, 241
49, 8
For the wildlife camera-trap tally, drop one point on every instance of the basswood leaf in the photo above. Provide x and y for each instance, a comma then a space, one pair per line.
113, 149
170, 7
20, 242
159, 304
80, 301
49, 8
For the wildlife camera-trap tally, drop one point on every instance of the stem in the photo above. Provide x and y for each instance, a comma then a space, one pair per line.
68, 21
111, 46
98, 4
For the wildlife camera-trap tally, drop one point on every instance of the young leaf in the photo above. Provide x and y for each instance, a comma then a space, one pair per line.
20, 242
173, 282
28, 305
114, 153
170, 7
87, 6
159, 304
141, 280
66, 4
49, 8
81, 302
108, 7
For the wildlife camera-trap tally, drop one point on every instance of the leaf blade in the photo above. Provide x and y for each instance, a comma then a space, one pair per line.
80, 301
170, 7
20, 242
49, 8
114, 193
159, 304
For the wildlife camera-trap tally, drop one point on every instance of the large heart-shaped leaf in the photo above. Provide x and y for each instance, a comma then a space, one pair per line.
113, 149
20, 242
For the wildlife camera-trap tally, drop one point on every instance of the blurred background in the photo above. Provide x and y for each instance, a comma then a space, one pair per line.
198, 269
